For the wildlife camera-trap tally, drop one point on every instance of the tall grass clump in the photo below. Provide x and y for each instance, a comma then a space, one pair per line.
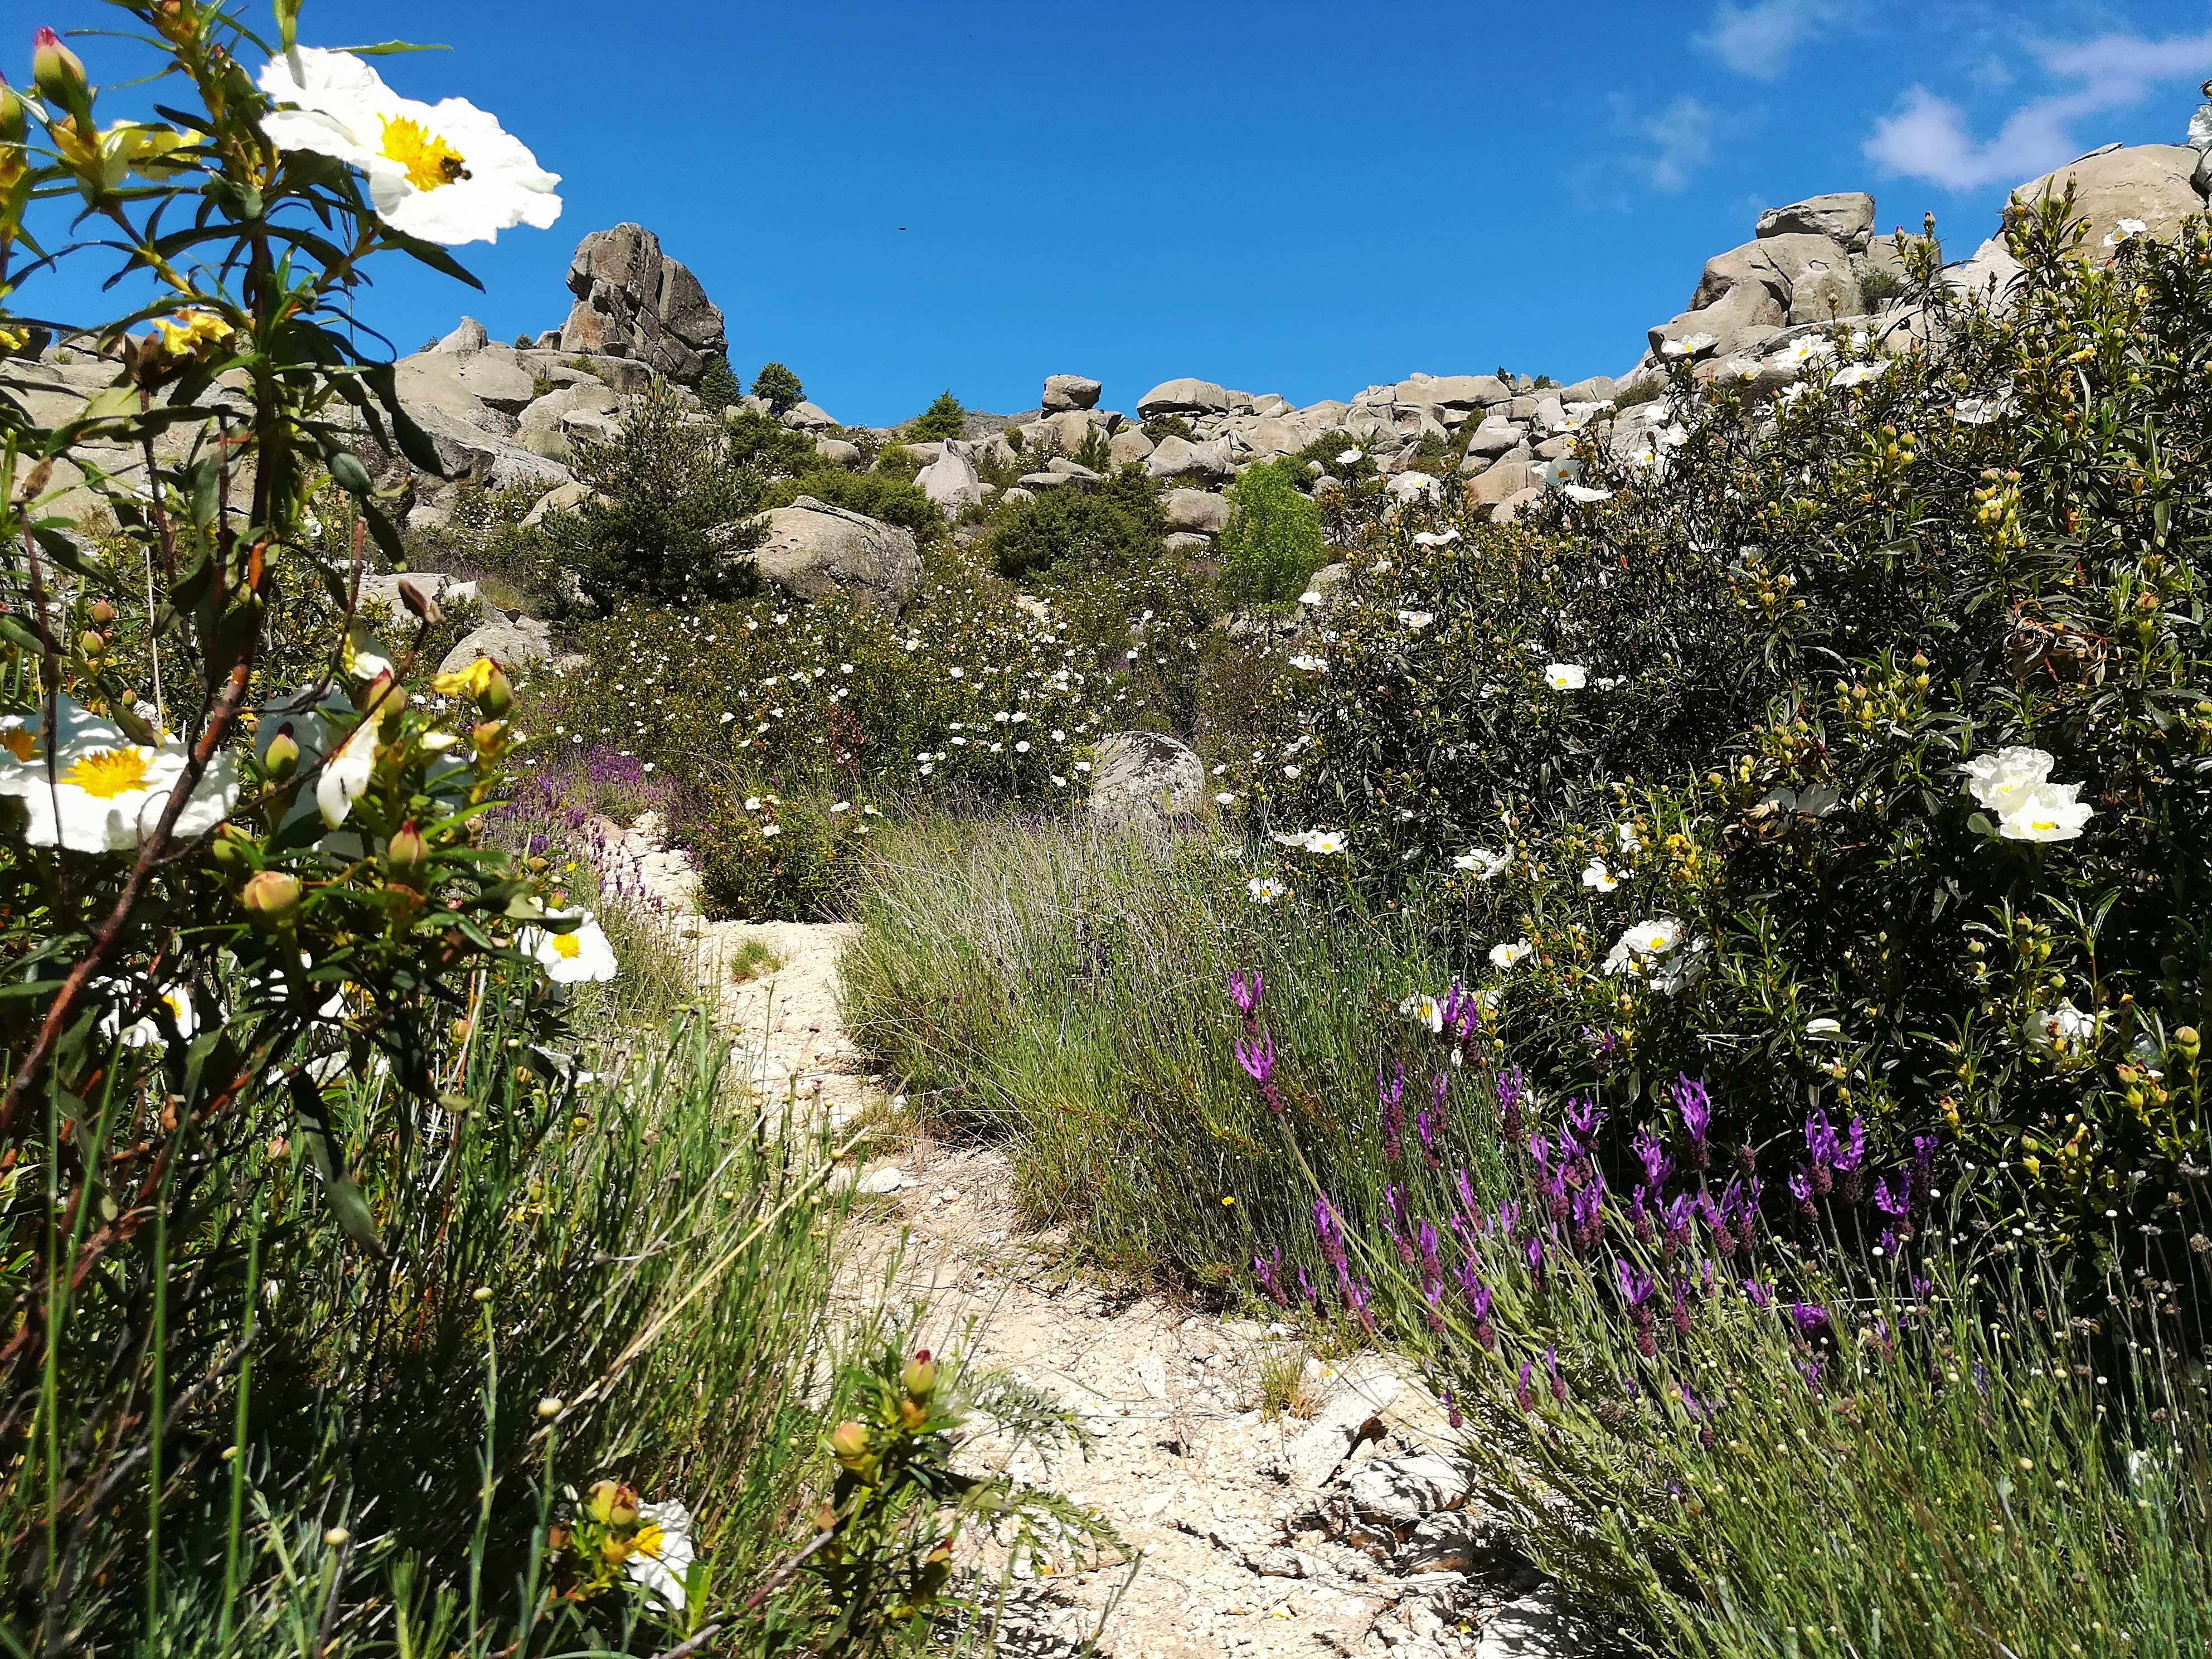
1063, 984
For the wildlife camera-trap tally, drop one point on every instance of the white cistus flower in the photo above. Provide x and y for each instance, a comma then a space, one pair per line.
1424, 1009
1566, 676
2049, 811
445, 172
1482, 861
1595, 874
103, 793
1266, 889
2046, 1028
661, 1554
581, 956
1824, 1029
1506, 955
1999, 780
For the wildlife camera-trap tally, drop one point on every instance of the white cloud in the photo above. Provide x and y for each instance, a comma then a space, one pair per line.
1682, 138
1928, 137
1758, 39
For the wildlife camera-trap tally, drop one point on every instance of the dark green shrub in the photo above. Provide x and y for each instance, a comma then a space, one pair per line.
1118, 526
758, 443
1273, 542
779, 388
943, 419
668, 518
1161, 428
719, 388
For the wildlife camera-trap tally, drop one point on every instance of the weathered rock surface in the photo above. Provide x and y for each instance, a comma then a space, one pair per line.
951, 480
512, 644
814, 549
2150, 182
633, 300
1179, 458
1071, 391
1145, 777
1196, 510
1183, 397
1846, 216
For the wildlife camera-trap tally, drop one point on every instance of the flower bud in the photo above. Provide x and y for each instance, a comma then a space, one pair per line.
336, 1537
497, 695
825, 1518
919, 1376
271, 898
912, 1415
101, 611
228, 846
848, 1444
420, 603
283, 755
549, 1406
58, 73
407, 853
2185, 1039
489, 738
92, 642
14, 123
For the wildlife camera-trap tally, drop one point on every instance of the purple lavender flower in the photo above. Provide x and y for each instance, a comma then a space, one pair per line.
1584, 1115
1308, 1291
1245, 990
1923, 1164
1589, 1216
1392, 1094
1674, 1225
1552, 1366
1431, 1313
1509, 1217
1811, 1318
1465, 1191
1393, 1199
1452, 1418
1678, 1311
1330, 1232
1639, 1217
1433, 1269
1802, 1185
1426, 1123
1760, 1296
1651, 1151
1521, 1389
1257, 1057
1921, 1287
1821, 1145
1511, 1090
1269, 1268
1747, 1160
1696, 1107
1539, 1154
1635, 1286
1533, 1250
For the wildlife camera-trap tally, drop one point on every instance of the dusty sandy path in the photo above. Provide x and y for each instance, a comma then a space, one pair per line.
1343, 1532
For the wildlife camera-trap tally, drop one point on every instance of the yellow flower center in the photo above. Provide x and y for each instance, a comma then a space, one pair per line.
568, 946
106, 773
429, 160
648, 1541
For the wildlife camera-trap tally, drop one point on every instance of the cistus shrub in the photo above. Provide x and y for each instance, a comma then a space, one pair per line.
964, 697
1120, 526
1848, 749
1274, 540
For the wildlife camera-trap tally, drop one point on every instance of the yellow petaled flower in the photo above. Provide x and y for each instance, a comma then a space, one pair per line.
470, 682
192, 334
12, 339
444, 171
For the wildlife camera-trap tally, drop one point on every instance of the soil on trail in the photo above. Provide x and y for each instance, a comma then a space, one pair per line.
1236, 1545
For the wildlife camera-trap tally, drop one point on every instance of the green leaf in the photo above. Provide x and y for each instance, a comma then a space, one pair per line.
391, 49
348, 473
348, 1207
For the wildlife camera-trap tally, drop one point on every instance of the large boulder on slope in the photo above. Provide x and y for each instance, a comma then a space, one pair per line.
2152, 183
1847, 216
1137, 776
814, 549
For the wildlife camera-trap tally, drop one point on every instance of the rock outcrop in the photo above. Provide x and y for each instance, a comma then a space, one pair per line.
634, 301
1144, 776
814, 549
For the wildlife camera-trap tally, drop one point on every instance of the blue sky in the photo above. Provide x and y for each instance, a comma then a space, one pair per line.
1283, 197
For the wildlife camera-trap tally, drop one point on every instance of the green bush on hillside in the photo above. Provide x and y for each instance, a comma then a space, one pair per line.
669, 516
944, 418
1120, 526
779, 388
1273, 541
718, 387
883, 495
